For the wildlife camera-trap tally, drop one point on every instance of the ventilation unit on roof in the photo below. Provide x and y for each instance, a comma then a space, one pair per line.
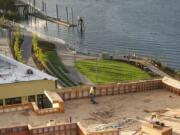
29, 72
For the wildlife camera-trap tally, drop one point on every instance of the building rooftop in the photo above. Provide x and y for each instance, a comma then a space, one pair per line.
13, 71
122, 109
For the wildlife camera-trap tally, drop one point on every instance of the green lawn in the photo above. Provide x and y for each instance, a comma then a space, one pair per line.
110, 71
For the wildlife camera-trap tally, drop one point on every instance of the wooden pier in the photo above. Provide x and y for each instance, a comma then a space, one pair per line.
53, 20
31, 10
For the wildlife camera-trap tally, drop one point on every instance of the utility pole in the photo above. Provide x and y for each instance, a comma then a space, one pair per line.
96, 69
74, 53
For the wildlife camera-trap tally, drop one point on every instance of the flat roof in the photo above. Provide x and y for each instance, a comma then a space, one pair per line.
110, 109
12, 71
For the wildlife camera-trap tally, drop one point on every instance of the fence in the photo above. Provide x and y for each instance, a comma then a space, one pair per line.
54, 129
110, 89
16, 130
31, 106
13, 108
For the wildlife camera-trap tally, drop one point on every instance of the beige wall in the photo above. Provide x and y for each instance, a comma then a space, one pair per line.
23, 89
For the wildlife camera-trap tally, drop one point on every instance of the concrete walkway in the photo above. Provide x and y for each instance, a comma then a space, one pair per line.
4, 47
26, 45
146, 63
68, 57
151, 67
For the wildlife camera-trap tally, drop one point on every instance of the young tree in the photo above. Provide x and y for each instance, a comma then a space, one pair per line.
17, 51
37, 51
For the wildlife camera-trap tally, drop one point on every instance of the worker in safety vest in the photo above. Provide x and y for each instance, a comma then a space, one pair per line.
92, 94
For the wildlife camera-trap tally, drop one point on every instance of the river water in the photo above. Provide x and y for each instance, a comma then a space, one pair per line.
148, 28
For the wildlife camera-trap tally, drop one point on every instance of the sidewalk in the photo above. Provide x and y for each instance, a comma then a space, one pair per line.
4, 47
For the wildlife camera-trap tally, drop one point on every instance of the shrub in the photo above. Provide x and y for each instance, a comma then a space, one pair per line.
37, 51
17, 52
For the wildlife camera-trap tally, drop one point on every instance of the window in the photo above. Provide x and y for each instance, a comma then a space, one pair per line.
1, 102
31, 98
10, 101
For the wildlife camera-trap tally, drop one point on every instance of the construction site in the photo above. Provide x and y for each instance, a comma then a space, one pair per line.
122, 108
41, 98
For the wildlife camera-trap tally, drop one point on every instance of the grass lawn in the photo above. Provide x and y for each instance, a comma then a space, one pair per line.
110, 71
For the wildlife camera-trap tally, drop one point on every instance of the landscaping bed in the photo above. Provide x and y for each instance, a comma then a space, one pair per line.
104, 71
46, 58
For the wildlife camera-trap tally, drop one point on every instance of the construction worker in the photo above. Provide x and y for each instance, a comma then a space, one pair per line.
153, 119
92, 94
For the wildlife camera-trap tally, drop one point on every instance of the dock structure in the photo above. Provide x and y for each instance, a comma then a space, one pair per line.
53, 20
31, 10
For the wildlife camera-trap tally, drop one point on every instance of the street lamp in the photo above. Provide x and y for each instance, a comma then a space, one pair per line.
96, 68
74, 55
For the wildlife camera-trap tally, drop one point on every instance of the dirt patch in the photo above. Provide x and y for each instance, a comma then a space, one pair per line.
147, 100
102, 115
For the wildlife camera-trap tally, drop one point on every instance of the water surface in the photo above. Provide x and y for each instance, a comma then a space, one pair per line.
146, 27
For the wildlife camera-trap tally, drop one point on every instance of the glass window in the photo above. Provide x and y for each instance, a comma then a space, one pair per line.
1, 102
10, 101
31, 98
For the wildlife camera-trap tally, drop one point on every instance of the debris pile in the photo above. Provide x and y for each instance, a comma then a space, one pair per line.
110, 126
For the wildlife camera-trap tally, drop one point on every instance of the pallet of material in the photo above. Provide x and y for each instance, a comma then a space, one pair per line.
151, 130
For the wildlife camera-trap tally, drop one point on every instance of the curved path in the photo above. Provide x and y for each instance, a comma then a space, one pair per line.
26, 46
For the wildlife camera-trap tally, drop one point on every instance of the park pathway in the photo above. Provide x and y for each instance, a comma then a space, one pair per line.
150, 66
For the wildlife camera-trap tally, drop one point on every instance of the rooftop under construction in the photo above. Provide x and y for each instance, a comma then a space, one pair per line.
120, 109
126, 106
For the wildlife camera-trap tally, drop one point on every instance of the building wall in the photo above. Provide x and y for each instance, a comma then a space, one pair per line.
24, 89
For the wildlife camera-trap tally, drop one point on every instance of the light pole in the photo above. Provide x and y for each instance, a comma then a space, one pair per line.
96, 68
74, 56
